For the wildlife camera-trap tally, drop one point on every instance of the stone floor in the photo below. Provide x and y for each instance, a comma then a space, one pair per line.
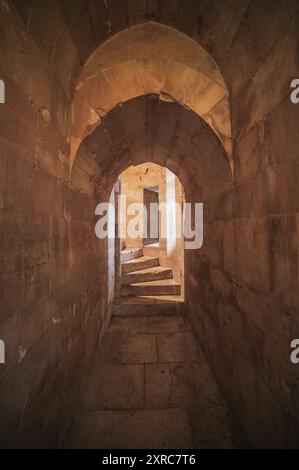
151, 387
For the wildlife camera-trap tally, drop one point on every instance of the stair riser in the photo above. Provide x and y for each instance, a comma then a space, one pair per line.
144, 277
129, 268
129, 310
152, 290
131, 255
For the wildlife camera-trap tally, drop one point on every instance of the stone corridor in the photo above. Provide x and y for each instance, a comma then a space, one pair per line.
201, 88
151, 387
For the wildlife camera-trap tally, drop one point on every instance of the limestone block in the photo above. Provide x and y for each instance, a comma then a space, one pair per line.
115, 386
218, 26
242, 59
100, 14
99, 144
282, 132
18, 119
55, 42
259, 196
284, 260
34, 80
18, 182
115, 126
249, 153
60, 259
152, 73
136, 11
25, 241
2, 176
271, 83
60, 110
269, 20
125, 80
51, 149
78, 20
168, 11
22, 287
99, 93
221, 282
78, 206
146, 429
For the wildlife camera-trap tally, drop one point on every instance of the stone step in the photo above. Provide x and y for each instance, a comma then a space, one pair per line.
163, 287
130, 254
136, 306
143, 262
150, 274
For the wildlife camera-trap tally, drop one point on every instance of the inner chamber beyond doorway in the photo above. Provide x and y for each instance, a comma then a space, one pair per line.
151, 240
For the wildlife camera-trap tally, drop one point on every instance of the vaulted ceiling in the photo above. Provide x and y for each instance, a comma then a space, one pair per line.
149, 129
197, 53
107, 52
151, 58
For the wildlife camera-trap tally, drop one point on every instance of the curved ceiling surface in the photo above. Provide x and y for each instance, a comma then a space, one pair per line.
149, 129
151, 59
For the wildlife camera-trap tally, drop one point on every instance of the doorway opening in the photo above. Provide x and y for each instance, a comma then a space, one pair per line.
151, 213
151, 245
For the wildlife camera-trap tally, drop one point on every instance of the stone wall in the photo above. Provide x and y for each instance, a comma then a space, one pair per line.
243, 287
53, 305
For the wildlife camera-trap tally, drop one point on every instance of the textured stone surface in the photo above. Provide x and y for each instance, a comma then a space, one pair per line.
242, 291
115, 387
144, 429
152, 404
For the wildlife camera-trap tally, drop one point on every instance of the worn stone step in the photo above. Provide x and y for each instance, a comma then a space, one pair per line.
149, 274
130, 254
143, 262
135, 306
163, 287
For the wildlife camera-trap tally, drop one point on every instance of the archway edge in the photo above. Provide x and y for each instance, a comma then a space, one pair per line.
151, 58
147, 129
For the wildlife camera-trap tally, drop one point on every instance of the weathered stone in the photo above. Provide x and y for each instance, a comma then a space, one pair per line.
62, 79
144, 429
114, 386
133, 349
177, 347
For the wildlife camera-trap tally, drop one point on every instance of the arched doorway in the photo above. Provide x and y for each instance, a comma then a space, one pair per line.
151, 58
151, 239
148, 129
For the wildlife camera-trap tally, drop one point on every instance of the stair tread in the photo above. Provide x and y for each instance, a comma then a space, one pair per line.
140, 260
131, 250
156, 269
161, 282
130, 254
149, 299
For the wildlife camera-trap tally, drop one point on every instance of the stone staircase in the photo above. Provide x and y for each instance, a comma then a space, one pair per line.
146, 287
143, 275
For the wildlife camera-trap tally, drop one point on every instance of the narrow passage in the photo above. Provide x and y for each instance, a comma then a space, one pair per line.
151, 387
